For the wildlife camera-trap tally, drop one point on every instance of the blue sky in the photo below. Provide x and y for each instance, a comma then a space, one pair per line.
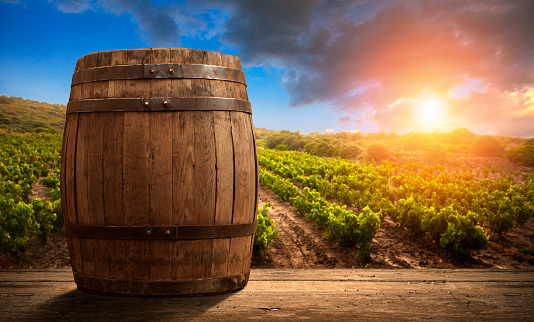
311, 65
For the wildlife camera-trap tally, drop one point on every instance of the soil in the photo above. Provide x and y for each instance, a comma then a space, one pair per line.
302, 244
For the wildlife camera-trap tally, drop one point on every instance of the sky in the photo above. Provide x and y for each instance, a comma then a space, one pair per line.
311, 65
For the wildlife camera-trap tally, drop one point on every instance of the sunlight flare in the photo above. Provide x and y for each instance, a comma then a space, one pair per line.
430, 111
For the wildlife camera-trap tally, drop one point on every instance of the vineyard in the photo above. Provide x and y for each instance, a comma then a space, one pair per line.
351, 202
449, 208
25, 160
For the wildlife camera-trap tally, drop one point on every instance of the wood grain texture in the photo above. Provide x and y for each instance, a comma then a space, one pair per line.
183, 169
160, 191
136, 190
95, 191
205, 190
281, 295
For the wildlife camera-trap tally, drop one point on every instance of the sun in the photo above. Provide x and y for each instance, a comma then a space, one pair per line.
430, 111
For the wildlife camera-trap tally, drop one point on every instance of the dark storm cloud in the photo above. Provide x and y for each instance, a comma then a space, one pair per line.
158, 23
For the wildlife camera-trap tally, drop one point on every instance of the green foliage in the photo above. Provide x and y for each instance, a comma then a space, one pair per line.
487, 146
24, 158
378, 151
45, 216
18, 226
463, 234
523, 155
435, 223
265, 231
281, 147
409, 214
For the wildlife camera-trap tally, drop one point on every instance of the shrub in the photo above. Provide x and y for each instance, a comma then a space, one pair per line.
378, 151
487, 146
523, 155
464, 234
18, 225
436, 152
265, 231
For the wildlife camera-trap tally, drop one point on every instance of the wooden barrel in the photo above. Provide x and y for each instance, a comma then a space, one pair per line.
159, 175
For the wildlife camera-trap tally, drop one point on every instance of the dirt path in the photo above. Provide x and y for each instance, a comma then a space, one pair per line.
301, 244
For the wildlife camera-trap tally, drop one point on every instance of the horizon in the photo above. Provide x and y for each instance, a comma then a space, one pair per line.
381, 66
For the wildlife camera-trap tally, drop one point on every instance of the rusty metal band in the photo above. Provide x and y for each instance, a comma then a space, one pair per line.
159, 104
160, 232
152, 71
124, 287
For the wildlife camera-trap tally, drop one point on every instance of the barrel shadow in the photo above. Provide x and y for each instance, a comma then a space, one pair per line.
76, 305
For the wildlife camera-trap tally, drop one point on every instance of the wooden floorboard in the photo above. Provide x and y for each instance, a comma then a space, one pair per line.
356, 294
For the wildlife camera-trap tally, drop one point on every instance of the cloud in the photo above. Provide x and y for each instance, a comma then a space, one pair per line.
329, 131
159, 24
344, 119
363, 56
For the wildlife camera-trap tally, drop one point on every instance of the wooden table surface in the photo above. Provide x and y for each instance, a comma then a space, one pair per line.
287, 294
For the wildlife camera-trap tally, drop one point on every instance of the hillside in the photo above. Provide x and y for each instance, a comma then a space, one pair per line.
18, 115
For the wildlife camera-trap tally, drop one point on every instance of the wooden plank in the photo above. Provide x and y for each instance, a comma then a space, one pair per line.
68, 189
160, 166
181, 88
95, 188
105, 58
113, 143
118, 57
176, 55
135, 188
88, 90
376, 295
160, 189
82, 168
139, 56
82, 193
75, 254
101, 89
245, 193
252, 184
232, 90
161, 55
204, 168
225, 189
76, 92
204, 188
113, 129
227, 60
244, 168
213, 58
183, 169
136, 88
95, 163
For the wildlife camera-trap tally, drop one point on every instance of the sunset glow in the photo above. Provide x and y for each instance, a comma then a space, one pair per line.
430, 111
